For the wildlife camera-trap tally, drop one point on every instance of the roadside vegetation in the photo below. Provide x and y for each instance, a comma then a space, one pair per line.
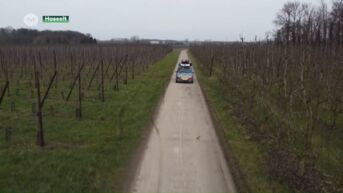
280, 102
94, 104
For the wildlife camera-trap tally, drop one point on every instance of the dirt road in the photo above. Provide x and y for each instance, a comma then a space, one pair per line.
183, 153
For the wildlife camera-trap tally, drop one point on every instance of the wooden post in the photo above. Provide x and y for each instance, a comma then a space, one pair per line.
133, 70
212, 62
4, 91
126, 71
102, 81
40, 101
80, 97
40, 132
7, 84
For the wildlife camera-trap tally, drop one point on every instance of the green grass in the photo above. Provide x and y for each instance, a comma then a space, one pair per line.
87, 155
247, 155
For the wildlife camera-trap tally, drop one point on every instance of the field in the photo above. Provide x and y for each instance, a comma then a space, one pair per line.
99, 102
280, 108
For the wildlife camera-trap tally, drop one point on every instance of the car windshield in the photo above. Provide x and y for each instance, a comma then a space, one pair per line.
185, 70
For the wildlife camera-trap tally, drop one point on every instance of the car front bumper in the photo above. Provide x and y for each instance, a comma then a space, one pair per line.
189, 80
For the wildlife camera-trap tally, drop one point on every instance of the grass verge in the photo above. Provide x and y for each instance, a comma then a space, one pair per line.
87, 155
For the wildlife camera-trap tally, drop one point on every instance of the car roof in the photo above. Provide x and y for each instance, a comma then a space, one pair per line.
181, 68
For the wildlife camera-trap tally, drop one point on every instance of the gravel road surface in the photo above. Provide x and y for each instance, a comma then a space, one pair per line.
183, 152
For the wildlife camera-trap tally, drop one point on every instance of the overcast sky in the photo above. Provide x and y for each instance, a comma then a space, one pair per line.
221, 20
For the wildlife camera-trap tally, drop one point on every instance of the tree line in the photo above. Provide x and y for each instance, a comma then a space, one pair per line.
302, 23
24, 36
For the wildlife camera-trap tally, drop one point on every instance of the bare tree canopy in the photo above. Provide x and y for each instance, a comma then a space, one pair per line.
301, 23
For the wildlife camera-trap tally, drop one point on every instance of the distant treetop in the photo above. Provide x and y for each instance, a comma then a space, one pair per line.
21, 36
